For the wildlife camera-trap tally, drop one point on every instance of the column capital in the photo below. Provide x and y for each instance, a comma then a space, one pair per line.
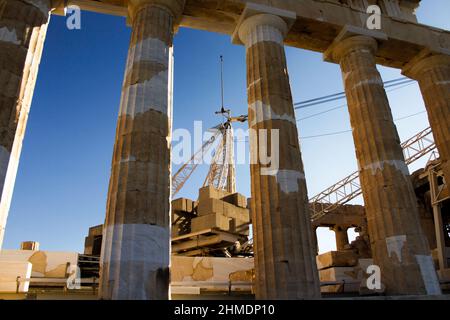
424, 61
351, 39
176, 7
339, 227
255, 15
261, 20
355, 43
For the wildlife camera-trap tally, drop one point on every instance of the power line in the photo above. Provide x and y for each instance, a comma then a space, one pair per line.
326, 134
344, 105
386, 84
347, 131
410, 116
341, 95
390, 84
320, 113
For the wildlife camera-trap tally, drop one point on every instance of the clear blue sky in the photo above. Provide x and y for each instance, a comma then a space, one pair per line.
63, 177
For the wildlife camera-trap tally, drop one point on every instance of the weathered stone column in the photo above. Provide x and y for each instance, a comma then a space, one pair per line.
23, 26
433, 74
315, 241
284, 249
341, 236
398, 244
136, 247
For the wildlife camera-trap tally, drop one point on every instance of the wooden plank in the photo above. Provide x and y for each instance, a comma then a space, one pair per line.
193, 234
195, 243
226, 239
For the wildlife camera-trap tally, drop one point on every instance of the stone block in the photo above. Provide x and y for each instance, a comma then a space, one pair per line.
96, 230
88, 245
9, 271
336, 259
182, 204
51, 264
212, 273
29, 245
236, 199
214, 220
240, 226
92, 243
212, 205
209, 192
347, 274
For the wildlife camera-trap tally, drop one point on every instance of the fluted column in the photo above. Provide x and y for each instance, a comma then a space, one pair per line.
341, 236
285, 258
23, 26
399, 246
136, 247
433, 74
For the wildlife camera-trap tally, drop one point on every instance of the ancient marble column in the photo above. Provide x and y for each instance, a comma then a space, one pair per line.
433, 74
136, 246
284, 248
315, 240
23, 26
341, 236
398, 244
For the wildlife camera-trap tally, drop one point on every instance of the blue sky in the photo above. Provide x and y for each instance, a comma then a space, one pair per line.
63, 177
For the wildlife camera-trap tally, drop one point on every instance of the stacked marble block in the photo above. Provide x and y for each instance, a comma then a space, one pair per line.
197, 275
342, 271
215, 209
32, 263
93, 242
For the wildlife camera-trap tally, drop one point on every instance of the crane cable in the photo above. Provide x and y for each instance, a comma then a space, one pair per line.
341, 95
345, 105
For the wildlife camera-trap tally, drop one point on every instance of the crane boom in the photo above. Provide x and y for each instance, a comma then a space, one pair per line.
184, 173
222, 173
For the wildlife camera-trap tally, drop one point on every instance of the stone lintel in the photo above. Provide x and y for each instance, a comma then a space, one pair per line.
252, 9
316, 26
349, 31
59, 7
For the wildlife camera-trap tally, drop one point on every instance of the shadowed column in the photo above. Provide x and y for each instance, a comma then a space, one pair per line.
433, 74
284, 249
340, 233
136, 246
399, 246
23, 26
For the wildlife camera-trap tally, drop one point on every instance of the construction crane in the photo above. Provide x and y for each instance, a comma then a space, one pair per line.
349, 188
222, 173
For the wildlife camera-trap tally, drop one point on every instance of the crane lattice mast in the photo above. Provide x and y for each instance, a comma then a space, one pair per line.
222, 172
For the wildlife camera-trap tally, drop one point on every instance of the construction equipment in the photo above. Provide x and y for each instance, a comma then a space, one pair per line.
349, 188
221, 174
